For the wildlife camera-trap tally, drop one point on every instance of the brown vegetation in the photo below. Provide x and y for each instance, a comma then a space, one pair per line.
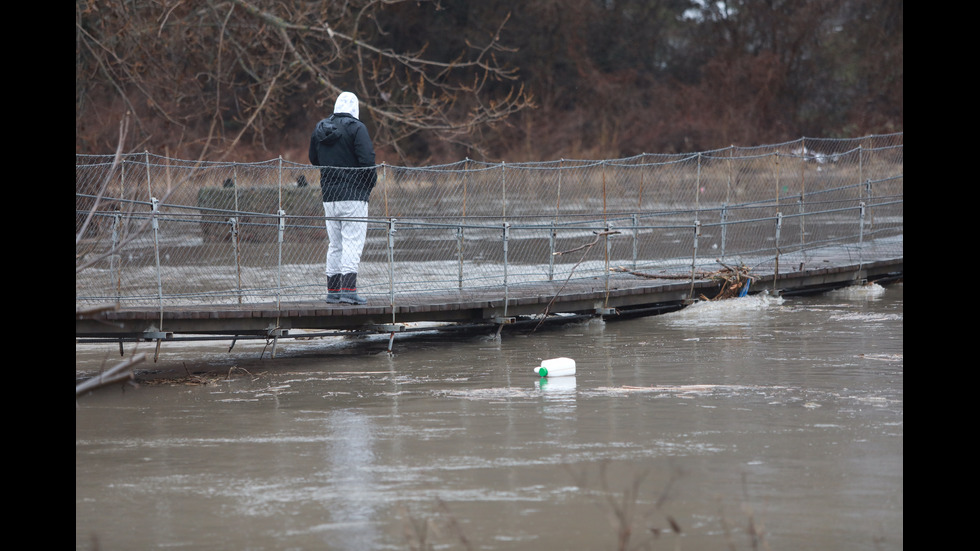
442, 80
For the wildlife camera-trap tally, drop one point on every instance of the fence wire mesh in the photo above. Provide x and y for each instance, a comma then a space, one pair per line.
153, 230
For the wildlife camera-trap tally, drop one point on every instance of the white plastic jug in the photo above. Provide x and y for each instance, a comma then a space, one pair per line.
556, 367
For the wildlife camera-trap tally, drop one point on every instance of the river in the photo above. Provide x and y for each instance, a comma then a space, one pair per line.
754, 423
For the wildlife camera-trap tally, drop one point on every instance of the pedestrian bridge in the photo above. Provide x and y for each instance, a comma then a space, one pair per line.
169, 249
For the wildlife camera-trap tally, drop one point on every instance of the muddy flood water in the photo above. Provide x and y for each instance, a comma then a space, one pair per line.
755, 423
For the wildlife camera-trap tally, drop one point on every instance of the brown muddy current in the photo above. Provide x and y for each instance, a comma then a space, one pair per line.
755, 423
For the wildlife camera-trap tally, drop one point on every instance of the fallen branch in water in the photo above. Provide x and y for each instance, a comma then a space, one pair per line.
122, 372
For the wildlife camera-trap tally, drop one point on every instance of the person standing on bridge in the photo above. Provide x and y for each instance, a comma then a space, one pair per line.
340, 144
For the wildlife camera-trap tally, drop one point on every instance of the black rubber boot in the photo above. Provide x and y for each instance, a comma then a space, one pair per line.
348, 290
333, 289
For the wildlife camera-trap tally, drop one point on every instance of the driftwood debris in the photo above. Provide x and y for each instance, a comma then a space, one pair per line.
199, 378
120, 373
735, 281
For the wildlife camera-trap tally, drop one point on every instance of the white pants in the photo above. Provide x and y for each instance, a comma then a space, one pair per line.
346, 237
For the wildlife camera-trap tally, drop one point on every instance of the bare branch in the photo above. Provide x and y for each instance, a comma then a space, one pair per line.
123, 127
274, 60
120, 373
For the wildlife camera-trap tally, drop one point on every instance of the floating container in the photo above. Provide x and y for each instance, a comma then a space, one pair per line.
556, 367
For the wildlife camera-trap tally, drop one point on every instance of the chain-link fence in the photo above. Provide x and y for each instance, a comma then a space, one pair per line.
162, 231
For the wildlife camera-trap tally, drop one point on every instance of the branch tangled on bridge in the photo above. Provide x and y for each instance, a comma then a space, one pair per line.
734, 281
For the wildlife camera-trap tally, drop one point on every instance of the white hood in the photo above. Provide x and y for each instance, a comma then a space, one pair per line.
347, 103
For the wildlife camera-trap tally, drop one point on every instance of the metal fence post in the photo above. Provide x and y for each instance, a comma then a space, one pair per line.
553, 237
605, 238
391, 266
234, 182
636, 238
779, 227
460, 238
503, 188
459, 253
115, 269
146, 161
694, 255
279, 183
156, 250
155, 225
506, 290
551, 249
724, 228
282, 234
802, 197
728, 198
234, 248
802, 209
861, 163
697, 223
861, 237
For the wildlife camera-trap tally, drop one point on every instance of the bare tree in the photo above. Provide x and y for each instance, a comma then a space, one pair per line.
206, 79
250, 77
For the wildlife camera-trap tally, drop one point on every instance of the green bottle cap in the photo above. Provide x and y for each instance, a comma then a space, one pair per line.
543, 371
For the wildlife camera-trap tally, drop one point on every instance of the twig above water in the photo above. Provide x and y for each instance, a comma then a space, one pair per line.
587, 247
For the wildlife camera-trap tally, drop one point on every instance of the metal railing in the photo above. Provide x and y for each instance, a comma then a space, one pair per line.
153, 230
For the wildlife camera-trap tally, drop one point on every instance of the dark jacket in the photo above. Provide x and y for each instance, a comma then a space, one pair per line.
341, 144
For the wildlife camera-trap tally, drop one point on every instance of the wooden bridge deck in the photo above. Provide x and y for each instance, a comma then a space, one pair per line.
621, 295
